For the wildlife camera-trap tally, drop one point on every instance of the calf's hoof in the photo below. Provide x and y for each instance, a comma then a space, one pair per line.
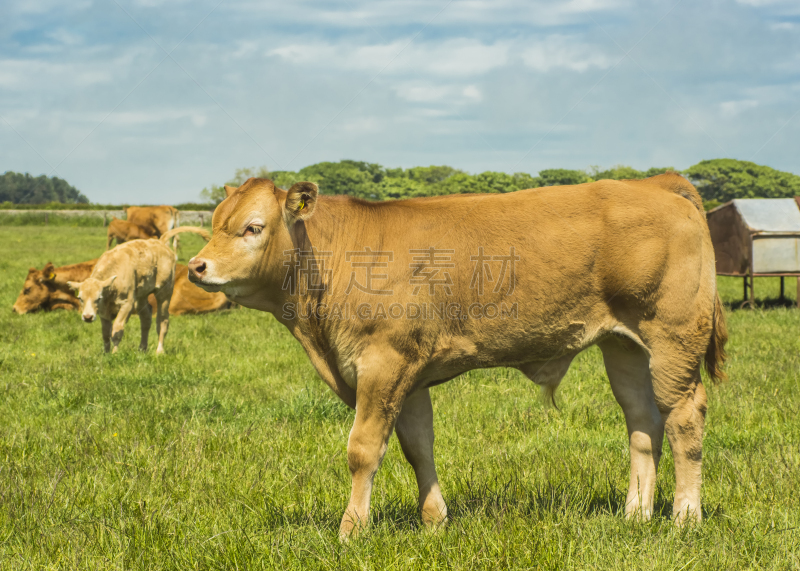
434, 516
351, 527
638, 513
687, 516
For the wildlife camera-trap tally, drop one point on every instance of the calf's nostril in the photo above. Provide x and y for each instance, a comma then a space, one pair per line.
197, 266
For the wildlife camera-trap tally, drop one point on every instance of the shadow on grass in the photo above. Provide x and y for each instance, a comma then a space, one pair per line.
767, 303
491, 498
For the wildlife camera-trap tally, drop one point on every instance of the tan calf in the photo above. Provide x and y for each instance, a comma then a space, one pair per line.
390, 299
121, 282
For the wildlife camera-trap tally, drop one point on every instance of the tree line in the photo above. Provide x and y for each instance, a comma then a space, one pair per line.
717, 180
18, 188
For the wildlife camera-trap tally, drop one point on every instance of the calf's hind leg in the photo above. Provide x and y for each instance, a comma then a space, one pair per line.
415, 431
681, 398
162, 316
145, 319
684, 423
628, 368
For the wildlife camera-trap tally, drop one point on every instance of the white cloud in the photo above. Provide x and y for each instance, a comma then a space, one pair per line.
773, 7
759, 3
423, 93
63, 36
21, 74
363, 125
369, 13
472, 93
459, 57
455, 58
47, 6
733, 108
431, 93
199, 120
141, 118
158, 3
563, 52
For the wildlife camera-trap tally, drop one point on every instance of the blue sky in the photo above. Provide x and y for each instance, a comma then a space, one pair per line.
150, 101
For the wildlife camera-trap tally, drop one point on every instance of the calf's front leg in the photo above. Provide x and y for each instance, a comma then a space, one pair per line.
106, 323
365, 450
118, 328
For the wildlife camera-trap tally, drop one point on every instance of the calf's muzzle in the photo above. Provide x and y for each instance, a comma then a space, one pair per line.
197, 267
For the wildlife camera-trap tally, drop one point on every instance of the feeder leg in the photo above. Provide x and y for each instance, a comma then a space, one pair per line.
781, 298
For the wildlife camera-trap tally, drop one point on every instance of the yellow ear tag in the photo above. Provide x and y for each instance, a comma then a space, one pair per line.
51, 276
302, 204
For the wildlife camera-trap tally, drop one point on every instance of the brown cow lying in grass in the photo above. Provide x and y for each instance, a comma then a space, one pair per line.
121, 282
525, 279
47, 289
189, 299
123, 231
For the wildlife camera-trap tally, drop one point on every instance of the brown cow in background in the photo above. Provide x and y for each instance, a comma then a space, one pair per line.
155, 220
124, 231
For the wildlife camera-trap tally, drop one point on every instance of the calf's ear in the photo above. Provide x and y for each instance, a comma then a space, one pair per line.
230, 190
75, 285
300, 201
49, 272
108, 282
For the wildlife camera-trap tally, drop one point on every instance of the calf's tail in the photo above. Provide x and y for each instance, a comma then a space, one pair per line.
193, 229
715, 353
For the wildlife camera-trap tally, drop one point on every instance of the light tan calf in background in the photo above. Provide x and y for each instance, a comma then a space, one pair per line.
121, 282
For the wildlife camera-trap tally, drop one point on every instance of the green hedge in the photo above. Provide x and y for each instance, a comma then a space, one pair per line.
42, 219
61, 206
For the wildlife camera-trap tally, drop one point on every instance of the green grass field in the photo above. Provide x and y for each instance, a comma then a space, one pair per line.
229, 453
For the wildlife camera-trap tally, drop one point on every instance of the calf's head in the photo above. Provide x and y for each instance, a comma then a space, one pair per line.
35, 294
90, 293
252, 230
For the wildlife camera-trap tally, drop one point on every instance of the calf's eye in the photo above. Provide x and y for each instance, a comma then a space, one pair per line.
252, 230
